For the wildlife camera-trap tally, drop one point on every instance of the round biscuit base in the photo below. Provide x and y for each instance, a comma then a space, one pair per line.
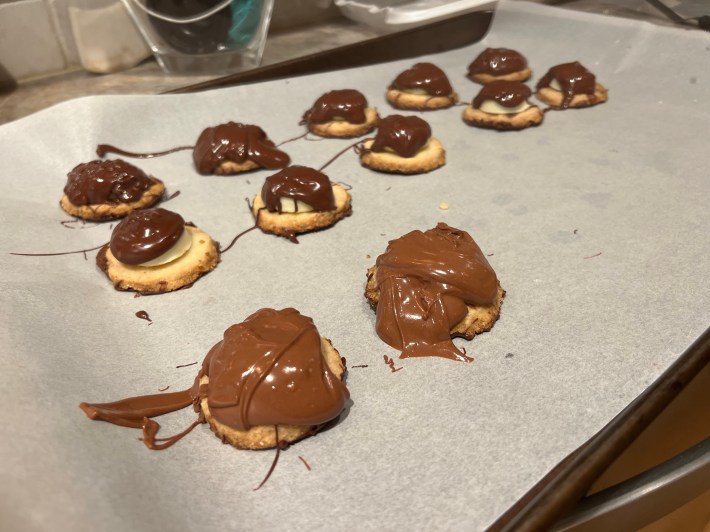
520, 75
419, 102
427, 159
288, 224
100, 212
503, 122
554, 98
344, 130
202, 257
478, 319
264, 436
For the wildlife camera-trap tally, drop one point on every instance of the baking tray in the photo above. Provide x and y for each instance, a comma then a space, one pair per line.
437, 445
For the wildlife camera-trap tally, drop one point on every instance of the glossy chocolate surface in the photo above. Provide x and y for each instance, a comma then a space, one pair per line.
425, 76
405, 135
506, 93
348, 104
298, 183
237, 143
145, 235
497, 62
426, 280
573, 79
98, 182
269, 370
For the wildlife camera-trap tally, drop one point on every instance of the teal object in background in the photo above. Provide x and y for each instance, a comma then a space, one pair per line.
246, 16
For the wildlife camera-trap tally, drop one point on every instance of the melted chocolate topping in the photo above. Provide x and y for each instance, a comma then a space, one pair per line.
98, 182
145, 235
506, 93
237, 143
347, 103
497, 62
425, 76
268, 370
425, 280
299, 183
405, 135
573, 79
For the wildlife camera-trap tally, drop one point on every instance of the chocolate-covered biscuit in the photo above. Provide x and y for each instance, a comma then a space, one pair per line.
422, 87
430, 286
107, 190
341, 114
153, 251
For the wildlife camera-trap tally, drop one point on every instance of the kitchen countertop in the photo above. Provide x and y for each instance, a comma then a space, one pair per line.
147, 78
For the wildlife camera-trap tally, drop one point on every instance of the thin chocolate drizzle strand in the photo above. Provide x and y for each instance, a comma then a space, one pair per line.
69, 224
255, 226
84, 251
172, 196
301, 136
103, 149
355, 146
308, 466
279, 446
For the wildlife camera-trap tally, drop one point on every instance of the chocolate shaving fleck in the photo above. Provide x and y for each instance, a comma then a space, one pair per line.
304, 462
390, 362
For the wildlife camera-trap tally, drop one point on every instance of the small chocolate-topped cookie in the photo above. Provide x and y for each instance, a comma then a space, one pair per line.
499, 64
341, 114
107, 190
503, 105
403, 145
154, 251
233, 148
422, 87
570, 85
299, 199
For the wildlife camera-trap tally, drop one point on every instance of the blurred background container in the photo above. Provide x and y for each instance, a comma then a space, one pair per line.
202, 36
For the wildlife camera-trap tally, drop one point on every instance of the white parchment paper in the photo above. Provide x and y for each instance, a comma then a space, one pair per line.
596, 223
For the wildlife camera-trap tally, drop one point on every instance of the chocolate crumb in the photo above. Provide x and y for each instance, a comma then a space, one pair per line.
509, 355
